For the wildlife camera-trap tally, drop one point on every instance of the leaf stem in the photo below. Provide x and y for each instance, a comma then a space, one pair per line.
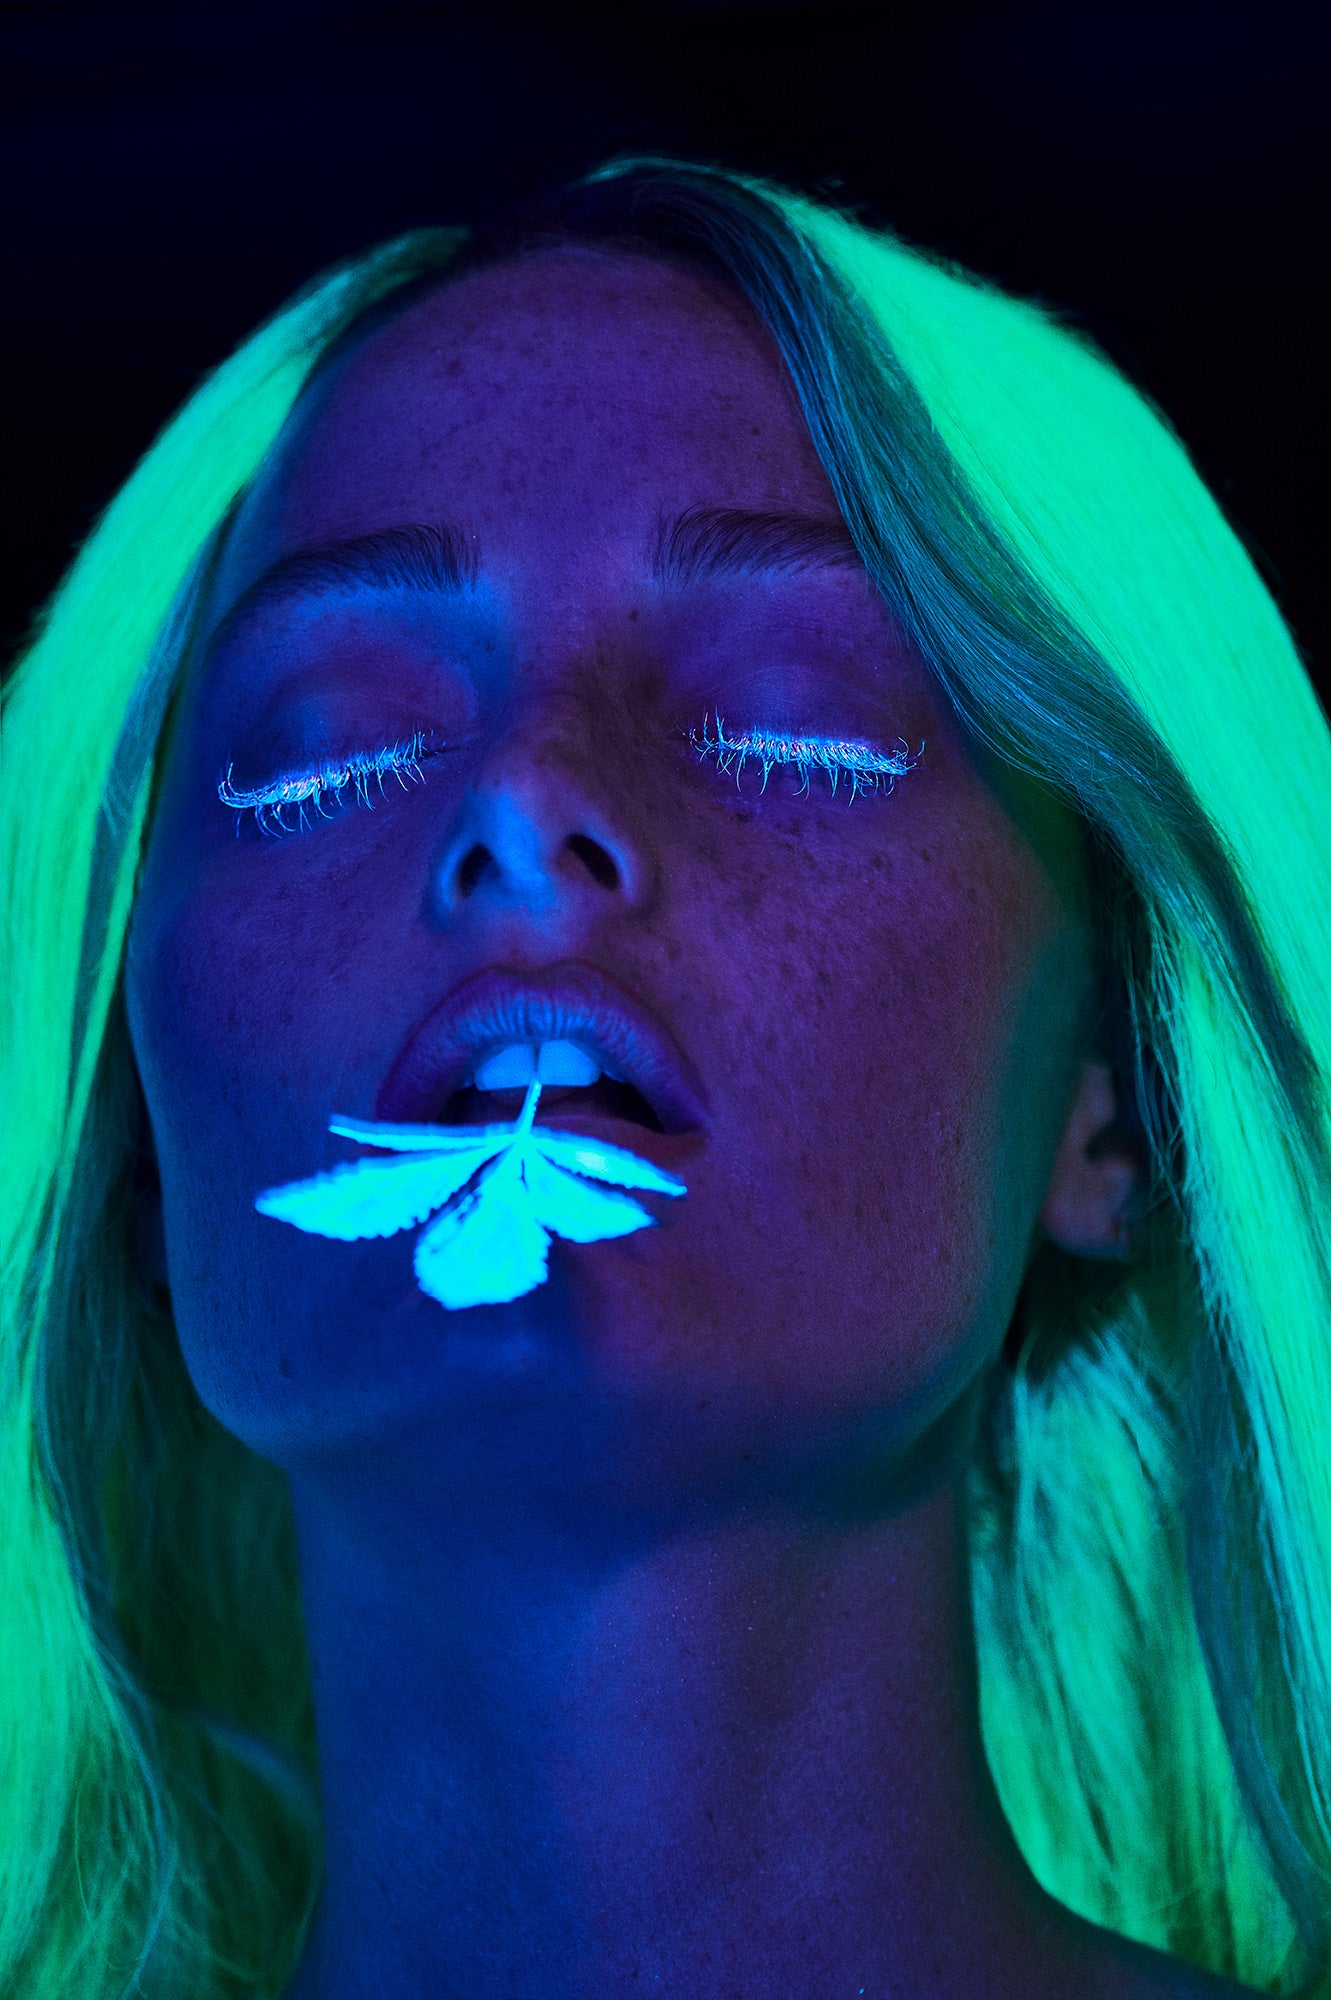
527, 1116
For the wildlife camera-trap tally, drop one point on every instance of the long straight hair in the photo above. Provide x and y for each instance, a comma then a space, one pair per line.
1150, 1523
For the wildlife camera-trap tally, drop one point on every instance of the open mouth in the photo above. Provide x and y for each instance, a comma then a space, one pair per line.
597, 1053
572, 1082
607, 1098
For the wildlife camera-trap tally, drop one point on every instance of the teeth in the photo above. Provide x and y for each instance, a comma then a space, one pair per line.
508, 1069
513, 1068
565, 1062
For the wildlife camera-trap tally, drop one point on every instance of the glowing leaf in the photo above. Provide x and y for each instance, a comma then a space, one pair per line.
373, 1197
569, 1207
504, 1191
603, 1163
424, 1138
486, 1251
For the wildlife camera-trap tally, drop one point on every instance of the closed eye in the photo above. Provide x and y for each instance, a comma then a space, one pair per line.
308, 790
863, 765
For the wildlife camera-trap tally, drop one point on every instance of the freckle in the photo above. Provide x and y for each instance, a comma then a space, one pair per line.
283, 1365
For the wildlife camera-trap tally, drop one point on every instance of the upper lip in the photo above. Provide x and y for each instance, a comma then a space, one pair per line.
567, 1002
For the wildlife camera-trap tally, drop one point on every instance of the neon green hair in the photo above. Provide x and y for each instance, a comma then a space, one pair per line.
1151, 1498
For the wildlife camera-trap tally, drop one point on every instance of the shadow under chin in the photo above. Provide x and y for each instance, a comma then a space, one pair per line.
882, 1476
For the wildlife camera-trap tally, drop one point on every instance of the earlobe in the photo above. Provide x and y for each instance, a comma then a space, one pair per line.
1097, 1174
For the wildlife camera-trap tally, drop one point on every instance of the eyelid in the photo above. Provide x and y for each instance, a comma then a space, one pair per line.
868, 768
361, 769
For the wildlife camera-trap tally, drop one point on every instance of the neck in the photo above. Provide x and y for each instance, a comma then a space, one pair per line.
742, 1757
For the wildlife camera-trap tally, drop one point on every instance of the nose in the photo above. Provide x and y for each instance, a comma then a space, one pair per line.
536, 834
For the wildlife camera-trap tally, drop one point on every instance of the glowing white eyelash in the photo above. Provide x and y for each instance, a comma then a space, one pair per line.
362, 769
868, 770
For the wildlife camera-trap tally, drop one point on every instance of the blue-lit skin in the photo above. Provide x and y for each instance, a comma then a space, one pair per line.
635, 1605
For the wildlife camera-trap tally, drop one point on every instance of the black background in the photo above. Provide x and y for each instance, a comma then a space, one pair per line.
171, 172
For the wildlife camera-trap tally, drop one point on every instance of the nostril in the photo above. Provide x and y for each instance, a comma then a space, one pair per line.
599, 863
475, 864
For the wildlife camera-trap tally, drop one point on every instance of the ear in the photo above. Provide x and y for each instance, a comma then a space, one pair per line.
1097, 1177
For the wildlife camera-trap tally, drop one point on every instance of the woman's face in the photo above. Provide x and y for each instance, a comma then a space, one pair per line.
858, 1020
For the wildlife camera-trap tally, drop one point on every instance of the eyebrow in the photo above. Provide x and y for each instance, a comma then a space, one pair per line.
707, 542
435, 558
695, 546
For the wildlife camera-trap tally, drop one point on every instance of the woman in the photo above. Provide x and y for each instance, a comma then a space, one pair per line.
821, 740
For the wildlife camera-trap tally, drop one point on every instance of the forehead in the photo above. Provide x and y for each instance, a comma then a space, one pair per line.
555, 408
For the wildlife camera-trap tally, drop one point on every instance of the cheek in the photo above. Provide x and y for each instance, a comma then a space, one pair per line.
248, 973
264, 975
892, 1030
250, 991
